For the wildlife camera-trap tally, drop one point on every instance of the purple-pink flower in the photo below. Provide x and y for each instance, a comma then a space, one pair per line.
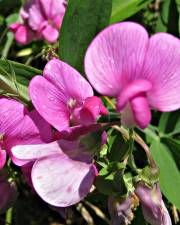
18, 126
153, 207
62, 173
41, 19
64, 98
142, 73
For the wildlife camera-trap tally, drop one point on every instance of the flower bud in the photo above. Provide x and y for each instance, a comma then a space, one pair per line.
153, 207
8, 193
121, 211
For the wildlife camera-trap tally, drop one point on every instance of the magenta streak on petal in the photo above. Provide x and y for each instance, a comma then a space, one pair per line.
131, 90
141, 111
2, 158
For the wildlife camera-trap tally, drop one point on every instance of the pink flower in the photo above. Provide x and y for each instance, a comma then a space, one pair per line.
64, 98
42, 19
153, 207
63, 172
141, 73
18, 126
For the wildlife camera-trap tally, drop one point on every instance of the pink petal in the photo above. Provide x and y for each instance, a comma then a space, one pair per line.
14, 26
57, 21
115, 57
43, 127
67, 80
131, 90
33, 152
141, 111
23, 35
52, 8
89, 113
162, 68
49, 102
2, 158
17, 127
95, 106
36, 17
50, 34
61, 181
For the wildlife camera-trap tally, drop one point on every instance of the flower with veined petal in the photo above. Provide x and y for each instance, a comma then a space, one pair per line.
62, 173
18, 126
64, 98
41, 20
141, 73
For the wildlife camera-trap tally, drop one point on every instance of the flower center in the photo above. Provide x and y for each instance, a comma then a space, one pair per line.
133, 99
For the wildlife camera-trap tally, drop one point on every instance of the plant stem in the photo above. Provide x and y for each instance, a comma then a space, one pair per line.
140, 141
9, 216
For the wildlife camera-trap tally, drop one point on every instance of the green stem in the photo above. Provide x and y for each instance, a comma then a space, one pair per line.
9, 216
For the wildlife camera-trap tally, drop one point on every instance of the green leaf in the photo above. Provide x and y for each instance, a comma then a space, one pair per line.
168, 18
178, 9
14, 78
10, 19
118, 146
105, 184
82, 21
170, 123
174, 147
169, 173
122, 9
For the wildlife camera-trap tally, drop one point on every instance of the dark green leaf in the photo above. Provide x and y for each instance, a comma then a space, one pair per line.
169, 173
118, 146
122, 9
82, 21
174, 147
170, 123
168, 18
139, 218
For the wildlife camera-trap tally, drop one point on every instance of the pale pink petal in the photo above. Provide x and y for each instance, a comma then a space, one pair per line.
50, 34
61, 181
2, 158
162, 68
49, 102
33, 152
115, 57
36, 18
52, 8
58, 8
67, 80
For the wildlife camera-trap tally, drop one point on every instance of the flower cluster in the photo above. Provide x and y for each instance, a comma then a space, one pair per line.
40, 19
122, 62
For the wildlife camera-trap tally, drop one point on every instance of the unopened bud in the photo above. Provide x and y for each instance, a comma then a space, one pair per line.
153, 207
121, 211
